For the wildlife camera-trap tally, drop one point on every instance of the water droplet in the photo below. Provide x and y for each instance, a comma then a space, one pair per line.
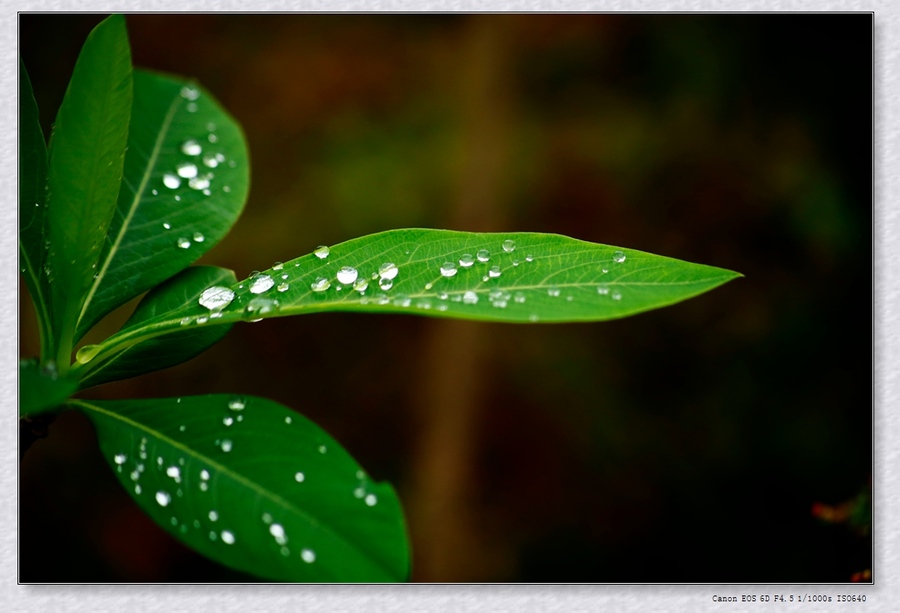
198, 237
204, 486
371, 500
135, 475
347, 275
202, 320
287, 419
308, 556
190, 93
167, 226
423, 304
267, 518
515, 262
285, 551
529, 258
483, 255
278, 266
283, 287
361, 284
228, 421
210, 161
322, 448
441, 307
213, 536
137, 489
602, 289
494, 272
204, 474
385, 283
226, 189
182, 428
213, 516
216, 297
227, 537
191, 147
619, 257
212, 138
174, 472
388, 270
284, 276
226, 445
277, 531
191, 107
87, 353
500, 304
402, 300
183, 242
154, 192
171, 181
200, 182
261, 283
163, 498
119, 458
320, 284
616, 295
509, 246
553, 291
321, 252
519, 297
186, 170
470, 297
466, 260
604, 270
299, 477
185, 321
359, 492
237, 404
448, 269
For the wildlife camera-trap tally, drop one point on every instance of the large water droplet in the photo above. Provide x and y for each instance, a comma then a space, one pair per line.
385, 283
448, 269
186, 170
278, 266
320, 284
261, 283
237, 404
174, 472
171, 181
308, 556
191, 147
470, 297
87, 353
163, 498
466, 260
388, 270
183, 242
509, 246
321, 252
483, 255
619, 257
347, 275
361, 284
227, 537
494, 272
371, 500
216, 297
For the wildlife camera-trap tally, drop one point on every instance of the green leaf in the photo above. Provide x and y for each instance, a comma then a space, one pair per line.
254, 486
176, 127
32, 207
542, 278
164, 351
42, 388
87, 150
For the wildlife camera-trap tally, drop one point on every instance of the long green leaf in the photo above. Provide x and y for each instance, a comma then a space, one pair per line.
520, 277
87, 150
185, 183
164, 351
254, 486
32, 208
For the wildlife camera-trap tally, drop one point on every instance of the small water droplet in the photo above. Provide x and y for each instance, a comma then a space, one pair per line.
448, 269
213, 516
321, 252
602, 289
322, 448
87, 353
483, 255
119, 458
287, 419
494, 272
267, 518
167, 226
227, 537
320, 284
202, 319
137, 489
191, 147
174, 472
553, 291
204, 486
216, 297
201, 182
182, 428
204, 474
212, 138
163, 498
226, 445
371, 500
135, 475
604, 270
183, 242
466, 260
308, 556
228, 421
385, 283
529, 258
299, 477
283, 287
519, 297
278, 266
261, 283
470, 297
186, 170
429, 285
388, 270
171, 181
619, 257
515, 262
361, 284
277, 531
347, 275
210, 161
191, 107
185, 321
285, 551
284, 276
509, 246
154, 192
616, 295
190, 93
213, 536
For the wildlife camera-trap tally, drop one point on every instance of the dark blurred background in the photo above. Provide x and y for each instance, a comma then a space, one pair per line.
724, 439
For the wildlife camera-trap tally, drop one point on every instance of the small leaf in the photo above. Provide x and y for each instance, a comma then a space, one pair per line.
254, 486
87, 150
523, 277
164, 351
32, 209
42, 388
185, 183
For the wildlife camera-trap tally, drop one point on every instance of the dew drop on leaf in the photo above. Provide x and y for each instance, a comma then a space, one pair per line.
190, 93
183, 242
371, 500
277, 530
619, 257
200, 182
216, 297
602, 289
174, 472
321, 252
509, 246
204, 474
466, 260
519, 297
163, 498
388, 270
529, 258
470, 297
616, 295
320, 285
483, 255
213, 516
227, 537
385, 283
167, 226
402, 300
228, 420
494, 272
308, 556
448, 269
261, 283
87, 353
191, 147
283, 287
119, 458
347, 275
171, 181
226, 445
278, 266
553, 291
361, 284
299, 477
186, 170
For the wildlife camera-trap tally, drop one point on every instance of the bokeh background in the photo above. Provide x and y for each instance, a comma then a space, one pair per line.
725, 439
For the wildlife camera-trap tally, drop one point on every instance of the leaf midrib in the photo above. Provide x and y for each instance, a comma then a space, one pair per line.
275, 498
